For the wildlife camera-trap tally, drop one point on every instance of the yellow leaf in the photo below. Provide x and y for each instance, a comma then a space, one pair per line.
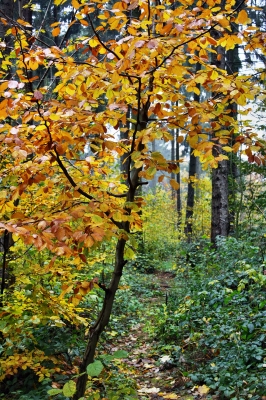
59, 2
76, 4
54, 117
196, 90
200, 79
110, 93
241, 100
174, 184
214, 75
56, 31
242, 18
115, 77
71, 89
227, 148
203, 389
172, 396
223, 21
93, 42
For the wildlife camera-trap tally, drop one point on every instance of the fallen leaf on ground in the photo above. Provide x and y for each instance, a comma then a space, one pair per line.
149, 390
171, 396
203, 390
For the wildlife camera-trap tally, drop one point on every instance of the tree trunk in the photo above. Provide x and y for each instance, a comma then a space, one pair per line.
102, 320
220, 211
110, 291
233, 65
178, 192
220, 221
6, 12
173, 160
193, 161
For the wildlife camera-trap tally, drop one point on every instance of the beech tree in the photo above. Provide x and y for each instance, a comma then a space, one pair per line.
69, 203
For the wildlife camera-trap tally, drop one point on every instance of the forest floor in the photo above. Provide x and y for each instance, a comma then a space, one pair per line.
156, 377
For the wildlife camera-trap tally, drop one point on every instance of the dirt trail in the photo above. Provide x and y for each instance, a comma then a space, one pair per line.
156, 378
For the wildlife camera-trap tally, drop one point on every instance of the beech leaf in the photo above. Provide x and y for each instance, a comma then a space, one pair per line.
174, 184
120, 354
53, 392
95, 368
69, 389
56, 31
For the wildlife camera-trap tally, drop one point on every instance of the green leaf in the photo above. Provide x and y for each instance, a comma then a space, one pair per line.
120, 354
95, 368
151, 171
53, 392
69, 388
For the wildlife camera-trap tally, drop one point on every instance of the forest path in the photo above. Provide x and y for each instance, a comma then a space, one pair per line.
156, 378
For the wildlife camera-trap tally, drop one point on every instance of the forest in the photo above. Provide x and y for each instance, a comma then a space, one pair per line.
132, 201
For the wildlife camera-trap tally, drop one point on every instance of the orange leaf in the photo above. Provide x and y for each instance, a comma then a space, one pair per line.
174, 184
56, 31
242, 18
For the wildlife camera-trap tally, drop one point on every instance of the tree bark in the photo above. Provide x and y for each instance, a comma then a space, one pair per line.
178, 192
220, 221
6, 12
220, 211
102, 320
193, 161
233, 65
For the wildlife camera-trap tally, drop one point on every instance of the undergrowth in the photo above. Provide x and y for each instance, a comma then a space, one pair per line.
209, 317
214, 324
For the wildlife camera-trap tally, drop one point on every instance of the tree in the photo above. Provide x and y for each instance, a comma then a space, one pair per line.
70, 203
220, 222
191, 176
6, 238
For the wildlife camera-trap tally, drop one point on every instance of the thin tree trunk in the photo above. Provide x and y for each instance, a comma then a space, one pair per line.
110, 291
6, 12
173, 160
102, 320
233, 65
193, 161
178, 192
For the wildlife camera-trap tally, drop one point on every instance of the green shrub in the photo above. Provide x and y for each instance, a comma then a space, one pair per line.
217, 328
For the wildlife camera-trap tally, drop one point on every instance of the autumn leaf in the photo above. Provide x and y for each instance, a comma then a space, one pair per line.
93, 43
56, 31
172, 396
149, 390
203, 390
37, 95
242, 18
174, 184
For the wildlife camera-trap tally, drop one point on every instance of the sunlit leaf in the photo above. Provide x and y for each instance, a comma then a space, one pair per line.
69, 388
